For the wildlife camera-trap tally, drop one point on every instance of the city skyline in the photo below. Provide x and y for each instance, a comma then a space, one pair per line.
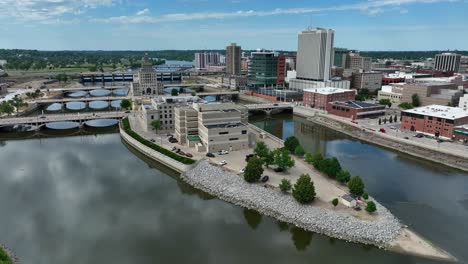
150, 25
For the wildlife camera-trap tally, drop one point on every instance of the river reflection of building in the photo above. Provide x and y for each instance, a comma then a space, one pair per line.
311, 136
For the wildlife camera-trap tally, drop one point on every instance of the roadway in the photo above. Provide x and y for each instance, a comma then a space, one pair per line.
269, 106
81, 99
61, 117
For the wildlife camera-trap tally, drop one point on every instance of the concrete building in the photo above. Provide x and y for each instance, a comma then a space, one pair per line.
320, 97
463, 102
367, 80
355, 109
212, 127
434, 120
263, 69
463, 64
162, 109
300, 85
356, 62
449, 62
432, 93
392, 93
238, 82
145, 82
233, 59
315, 54
206, 59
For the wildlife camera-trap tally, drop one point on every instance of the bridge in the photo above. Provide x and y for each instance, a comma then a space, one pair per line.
217, 93
87, 88
127, 77
82, 99
76, 117
268, 108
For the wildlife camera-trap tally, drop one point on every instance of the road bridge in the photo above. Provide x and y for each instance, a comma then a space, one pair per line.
82, 99
76, 117
268, 108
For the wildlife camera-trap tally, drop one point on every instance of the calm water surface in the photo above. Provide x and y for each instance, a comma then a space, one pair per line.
89, 199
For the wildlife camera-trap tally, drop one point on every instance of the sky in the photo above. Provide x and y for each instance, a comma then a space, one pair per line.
213, 24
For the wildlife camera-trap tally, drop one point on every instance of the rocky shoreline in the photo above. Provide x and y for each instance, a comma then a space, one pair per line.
233, 189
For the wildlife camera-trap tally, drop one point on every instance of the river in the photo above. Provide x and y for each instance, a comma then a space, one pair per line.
91, 199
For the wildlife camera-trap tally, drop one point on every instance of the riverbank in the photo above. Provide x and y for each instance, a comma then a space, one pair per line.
386, 141
384, 232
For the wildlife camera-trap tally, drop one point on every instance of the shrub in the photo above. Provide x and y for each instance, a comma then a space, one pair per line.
285, 185
365, 196
253, 170
130, 132
405, 106
335, 202
330, 167
356, 186
291, 143
299, 151
314, 159
343, 176
371, 207
304, 190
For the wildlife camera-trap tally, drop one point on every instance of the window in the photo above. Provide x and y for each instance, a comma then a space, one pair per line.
244, 132
223, 133
233, 139
152, 117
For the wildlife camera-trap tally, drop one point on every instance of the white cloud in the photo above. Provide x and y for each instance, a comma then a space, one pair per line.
142, 12
46, 11
372, 7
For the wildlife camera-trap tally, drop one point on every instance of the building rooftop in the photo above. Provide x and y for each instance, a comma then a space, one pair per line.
439, 111
356, 104
327, 90
348, 198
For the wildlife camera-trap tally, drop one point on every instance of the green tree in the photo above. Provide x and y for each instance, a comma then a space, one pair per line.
380, 121
261, 149
405, 106
283, 159
415, 100
330, 167
269, 159
314, 159
92, 68
6, 108
335, 202
385, 102
356, 186
291, 143
304, 190
17, 102
285, 185
299, 151
156, 125
253, 170
385, 120
126, 104
343, 176
371, 207
62, 77
395, 119
174, 92
390, 119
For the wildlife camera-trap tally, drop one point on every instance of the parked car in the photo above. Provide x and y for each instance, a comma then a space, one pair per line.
406, 137
152, 140
222, 163
264, 178
210, 155
223, 152
242, 170
279, 169
127, 112
178, 150
42, 117
173, 140
382, 130
393, 127
182, 153
189, 155
174, 149
275, 104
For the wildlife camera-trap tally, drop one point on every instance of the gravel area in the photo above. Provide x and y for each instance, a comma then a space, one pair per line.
232, 188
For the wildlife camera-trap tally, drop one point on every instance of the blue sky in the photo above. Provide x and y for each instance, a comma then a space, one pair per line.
212, 24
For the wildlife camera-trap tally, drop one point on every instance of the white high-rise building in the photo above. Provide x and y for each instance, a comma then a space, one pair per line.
315, 54
447, 62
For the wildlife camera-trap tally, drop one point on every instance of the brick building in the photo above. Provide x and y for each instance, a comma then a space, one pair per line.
320, 97
355, 109
434, 120
281, 70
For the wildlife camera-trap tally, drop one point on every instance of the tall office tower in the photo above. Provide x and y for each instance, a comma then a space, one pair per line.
315, 54
263, 68
447, 62
200, 62
354, 61
233, 59
145, 82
